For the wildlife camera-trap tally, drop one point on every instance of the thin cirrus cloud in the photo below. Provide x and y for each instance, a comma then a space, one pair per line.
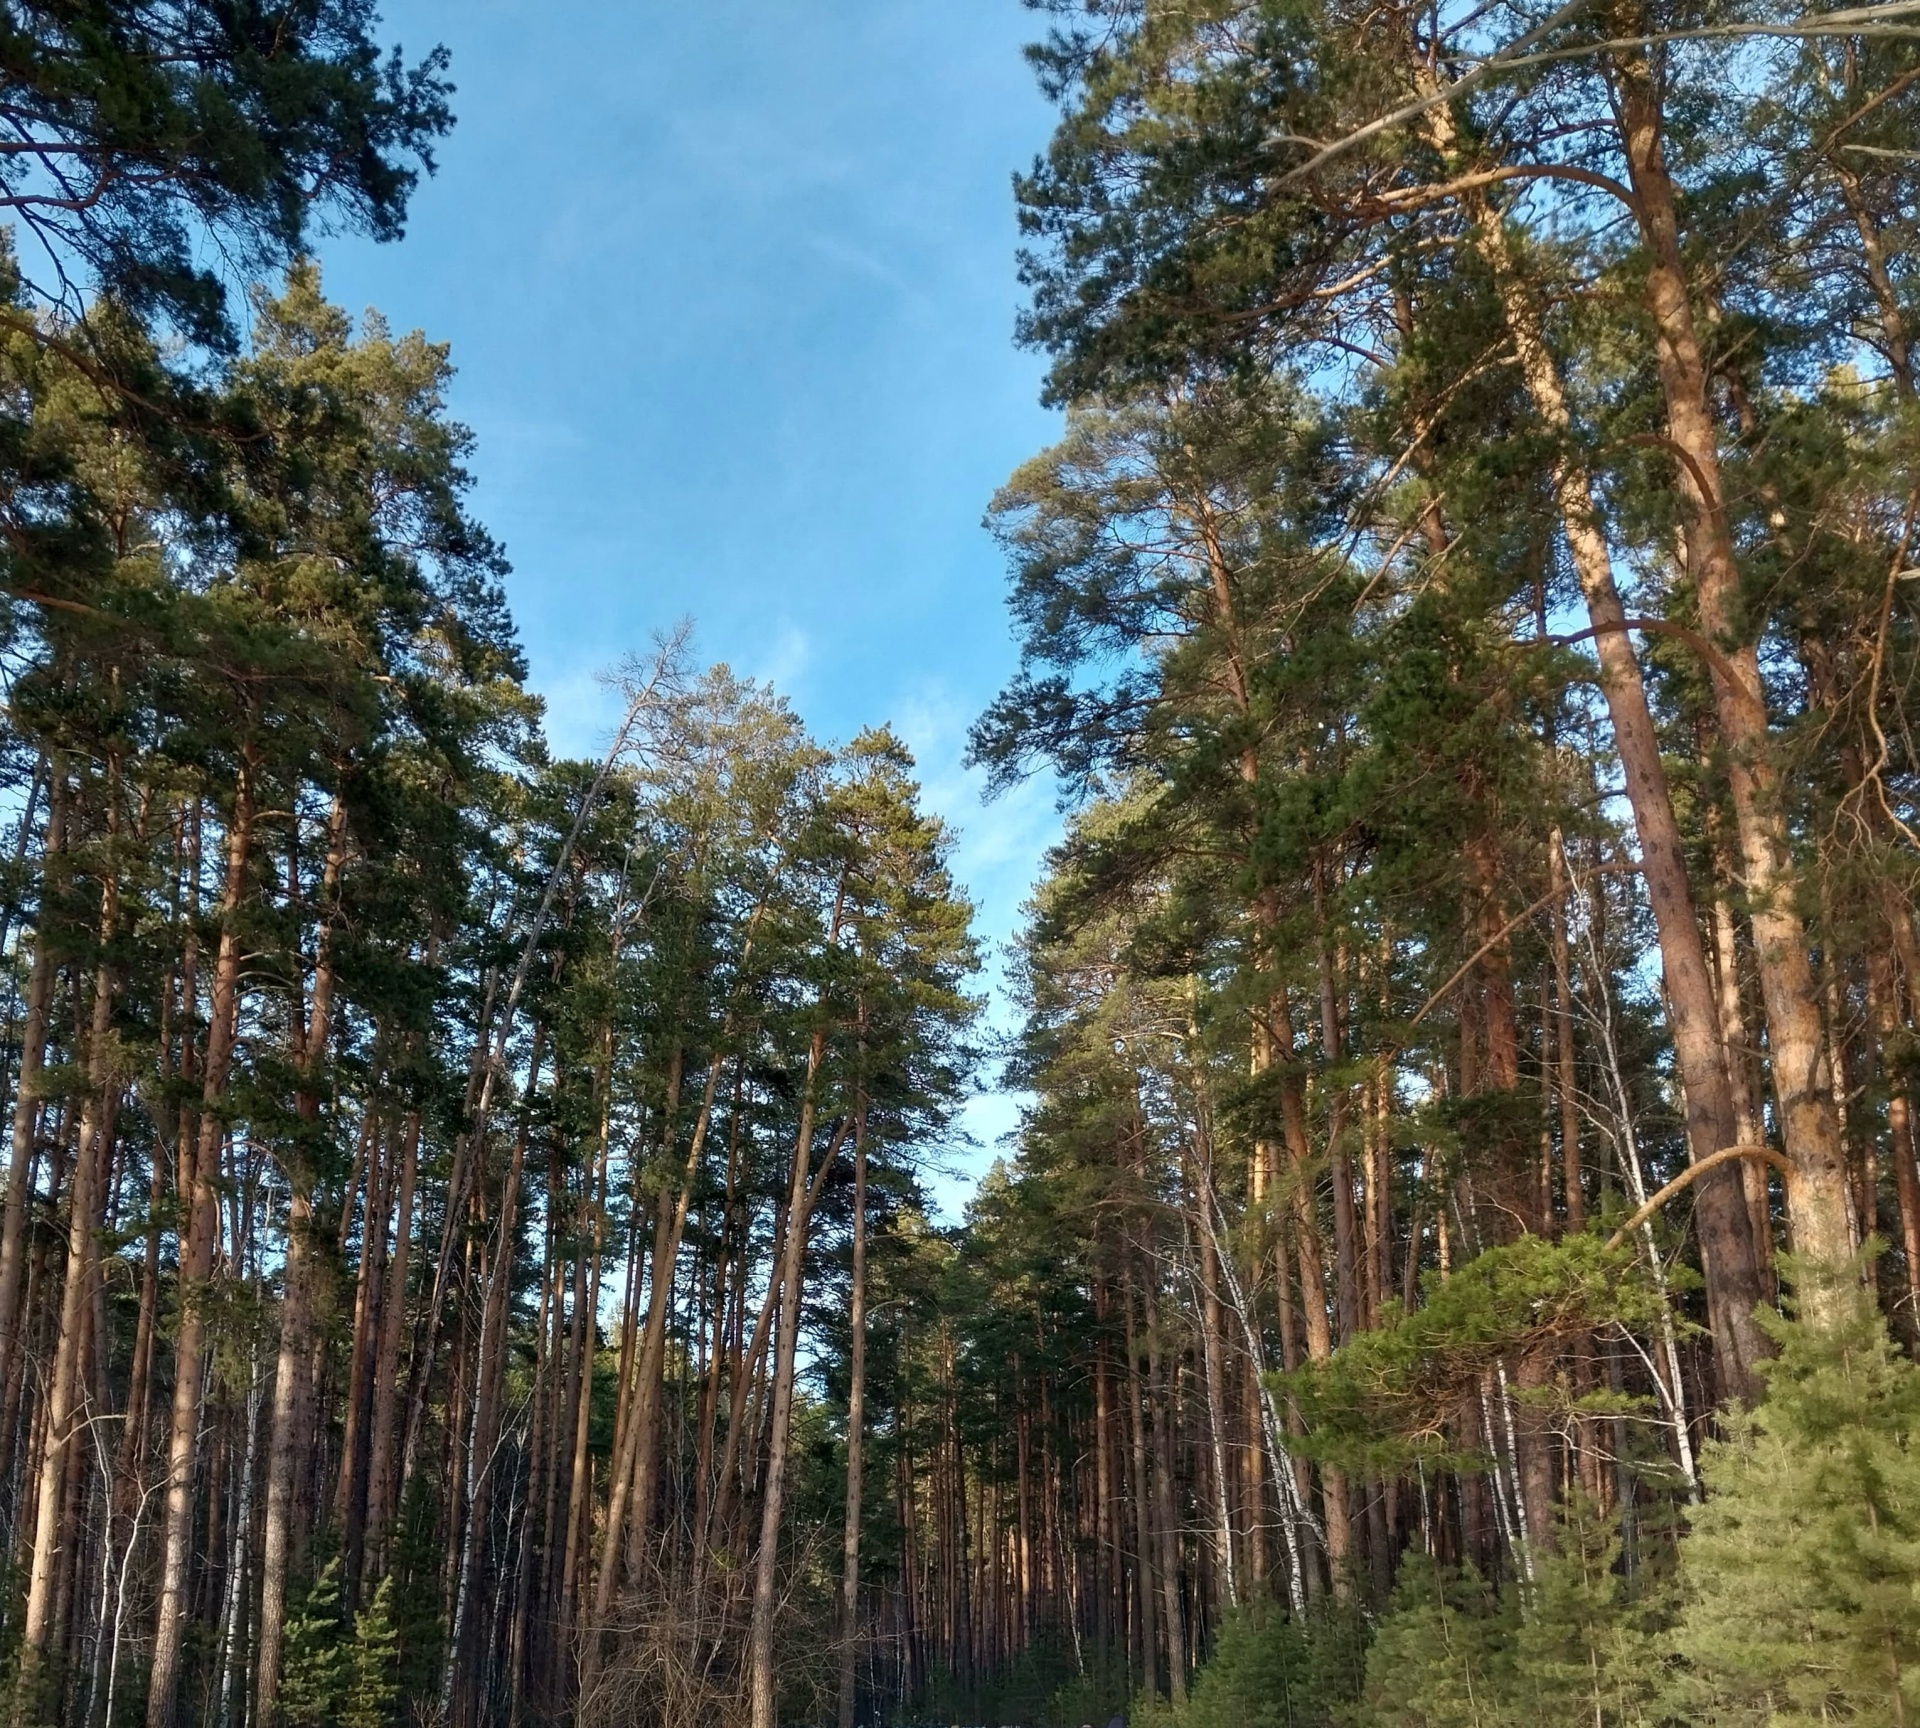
731, 291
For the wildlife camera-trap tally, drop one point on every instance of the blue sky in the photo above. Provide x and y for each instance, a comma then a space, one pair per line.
730, 286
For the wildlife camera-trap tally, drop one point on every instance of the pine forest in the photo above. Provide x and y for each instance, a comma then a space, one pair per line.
471, 1249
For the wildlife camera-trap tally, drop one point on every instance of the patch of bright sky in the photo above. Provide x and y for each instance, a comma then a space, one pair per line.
730, 286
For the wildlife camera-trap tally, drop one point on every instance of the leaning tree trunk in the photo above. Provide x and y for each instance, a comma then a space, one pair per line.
1817, 1191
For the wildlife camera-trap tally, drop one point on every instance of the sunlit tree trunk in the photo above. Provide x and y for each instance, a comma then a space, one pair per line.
199, 1173
293, 1368
1817, 1194
55, 1531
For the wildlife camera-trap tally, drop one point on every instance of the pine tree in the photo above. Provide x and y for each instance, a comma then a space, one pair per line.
373, 1684
321, 1662
1802, 1568
1587, 1648
135, 123
1444, 1656
1583, 1646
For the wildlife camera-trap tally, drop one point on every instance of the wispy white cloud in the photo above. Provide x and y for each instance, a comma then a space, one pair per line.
771, 271
582, 710
998, 848
999, 843
863, 261
780, 658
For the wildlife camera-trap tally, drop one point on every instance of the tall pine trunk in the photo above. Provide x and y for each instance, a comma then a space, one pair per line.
292, 1368
54, 1530
1817, 1192
26, 1097
199, 1176
856, 1431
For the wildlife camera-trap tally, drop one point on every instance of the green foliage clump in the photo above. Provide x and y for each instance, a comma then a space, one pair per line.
1580, 1646
1271, 1671
317, 1669
1386, 1396
331, 1679
1792, 1600
375, 1687
1050, 1683
1099, 1687
1802, 1570
418, 1622
1443, 1653
1589, 1644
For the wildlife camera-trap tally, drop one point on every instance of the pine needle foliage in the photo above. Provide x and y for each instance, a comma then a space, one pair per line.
1789, 1603
1388, 1395
374, 1688
1271, 1671
1579, 1647
319, 1662
1803, 1567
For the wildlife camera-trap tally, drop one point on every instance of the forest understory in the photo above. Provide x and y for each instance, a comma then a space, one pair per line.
466, 1249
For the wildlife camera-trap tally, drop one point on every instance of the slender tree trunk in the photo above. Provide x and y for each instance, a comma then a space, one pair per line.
462, 1696
292, 1368
856, 1430
728, 1302
1173, 1616
1213, 1344
743, 1374
26, 1098
644, 1436
1311, 1267
200, 1171
585, 1339
1106, 1515
1883, 1001
381, 1472
1566, 1072
65, 1388
802, 1190
1346, 1225
1145, 1636
369, 1295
